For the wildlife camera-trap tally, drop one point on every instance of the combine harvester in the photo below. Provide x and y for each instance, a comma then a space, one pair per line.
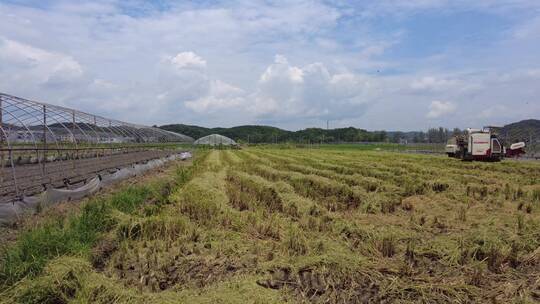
482, 144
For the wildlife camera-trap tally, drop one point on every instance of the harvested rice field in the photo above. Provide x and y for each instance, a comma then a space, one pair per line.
267, 225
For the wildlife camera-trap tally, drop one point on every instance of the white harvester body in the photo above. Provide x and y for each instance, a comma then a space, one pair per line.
481, 144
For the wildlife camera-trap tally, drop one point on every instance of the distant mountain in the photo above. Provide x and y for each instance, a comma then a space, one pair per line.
525, 130
520, 131
267, 134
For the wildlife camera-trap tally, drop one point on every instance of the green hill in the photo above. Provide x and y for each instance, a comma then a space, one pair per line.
525, 130
267, 134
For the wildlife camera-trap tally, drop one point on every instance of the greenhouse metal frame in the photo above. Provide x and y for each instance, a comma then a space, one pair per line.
43, 145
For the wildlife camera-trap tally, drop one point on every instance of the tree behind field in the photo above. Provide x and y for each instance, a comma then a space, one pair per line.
438, 135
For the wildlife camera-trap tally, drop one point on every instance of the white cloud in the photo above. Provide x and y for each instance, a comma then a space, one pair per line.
493, 111
430, 83
103, 84
188, 60
139, 53
281, 71
288, 92
439, 108
36, 65
208, 63
285, 93
220, 96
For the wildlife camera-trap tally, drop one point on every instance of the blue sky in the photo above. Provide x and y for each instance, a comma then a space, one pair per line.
388, 64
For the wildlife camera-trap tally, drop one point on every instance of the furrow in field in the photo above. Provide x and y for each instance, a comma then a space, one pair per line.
368, 179
397, 180
331, 194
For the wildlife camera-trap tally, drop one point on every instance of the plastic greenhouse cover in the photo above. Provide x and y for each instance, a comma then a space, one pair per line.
214, 139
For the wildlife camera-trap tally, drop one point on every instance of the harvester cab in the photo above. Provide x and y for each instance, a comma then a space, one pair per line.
481, 144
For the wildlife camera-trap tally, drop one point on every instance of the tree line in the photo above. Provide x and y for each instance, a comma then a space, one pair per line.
433, 135
267, 134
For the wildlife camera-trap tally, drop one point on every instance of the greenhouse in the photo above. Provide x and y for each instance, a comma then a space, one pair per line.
46, 146
215, 140
26, 122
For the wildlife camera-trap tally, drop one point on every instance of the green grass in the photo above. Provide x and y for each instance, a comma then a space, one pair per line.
56, 237
129, 200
